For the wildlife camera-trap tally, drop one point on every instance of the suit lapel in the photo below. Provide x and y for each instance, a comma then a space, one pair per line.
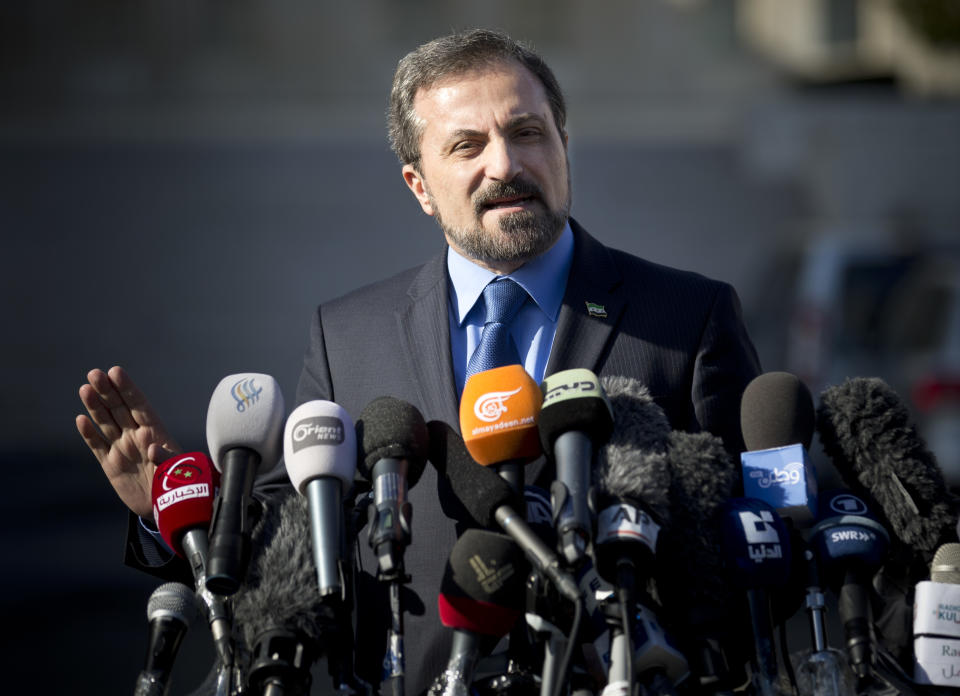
424, 330
592, 304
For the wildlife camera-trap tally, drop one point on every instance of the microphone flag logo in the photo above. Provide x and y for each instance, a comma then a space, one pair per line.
490, 406
245, 393
181, 473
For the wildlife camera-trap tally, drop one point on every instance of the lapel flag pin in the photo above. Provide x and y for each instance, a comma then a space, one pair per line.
596, 310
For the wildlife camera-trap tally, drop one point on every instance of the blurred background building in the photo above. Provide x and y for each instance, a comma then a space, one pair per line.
182, 182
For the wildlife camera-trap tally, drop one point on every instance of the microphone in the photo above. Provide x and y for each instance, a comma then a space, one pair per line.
320, 453
655, 657
184, 488
850, 547
632, 478
691, 584
487, 501
393, 443
756, 546
575, 419
244, 429
777, 421
936, 621
481, 598
632, 496
499, 409
776, 410
864, 427
945, 568
283, 620
170, 610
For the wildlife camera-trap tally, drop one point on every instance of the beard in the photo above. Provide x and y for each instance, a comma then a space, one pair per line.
521, 236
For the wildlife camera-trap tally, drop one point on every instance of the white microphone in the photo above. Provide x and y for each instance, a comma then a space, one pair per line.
320, 453
936, 621
244, 429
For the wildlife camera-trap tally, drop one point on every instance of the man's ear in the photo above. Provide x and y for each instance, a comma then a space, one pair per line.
418, 187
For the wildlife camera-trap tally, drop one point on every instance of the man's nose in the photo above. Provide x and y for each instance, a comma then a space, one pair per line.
502, 160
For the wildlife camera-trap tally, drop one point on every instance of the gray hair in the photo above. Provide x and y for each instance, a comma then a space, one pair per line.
456, 54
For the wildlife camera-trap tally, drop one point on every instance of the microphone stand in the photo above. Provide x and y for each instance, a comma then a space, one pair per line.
825, 668
196, 547
765, 674
394, 661
389, 537
620, 618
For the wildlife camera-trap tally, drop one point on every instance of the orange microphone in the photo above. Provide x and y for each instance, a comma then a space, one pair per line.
499, 411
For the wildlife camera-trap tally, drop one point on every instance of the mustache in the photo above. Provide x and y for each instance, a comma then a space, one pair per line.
502, 189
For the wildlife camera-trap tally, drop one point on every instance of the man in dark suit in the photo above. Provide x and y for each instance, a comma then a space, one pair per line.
478, 122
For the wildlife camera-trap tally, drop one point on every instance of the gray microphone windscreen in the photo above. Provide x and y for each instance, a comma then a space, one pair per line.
174, 600
281, 589
633, 463
865, 429
246, 411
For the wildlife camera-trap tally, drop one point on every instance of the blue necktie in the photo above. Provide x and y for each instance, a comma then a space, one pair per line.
503, 299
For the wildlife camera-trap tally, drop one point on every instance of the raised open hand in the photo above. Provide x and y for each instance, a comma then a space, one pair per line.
125, 435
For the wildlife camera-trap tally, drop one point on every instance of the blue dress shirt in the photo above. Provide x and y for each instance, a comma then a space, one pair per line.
544, 278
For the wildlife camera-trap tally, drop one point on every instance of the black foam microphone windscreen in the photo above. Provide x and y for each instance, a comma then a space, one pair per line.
478, 489
390, 428
392, 443
702, 478
482, 590
776, 410
697, 597
865, 429
487, 500
482, 594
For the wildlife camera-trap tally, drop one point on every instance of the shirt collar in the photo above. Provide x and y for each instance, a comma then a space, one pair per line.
544, 278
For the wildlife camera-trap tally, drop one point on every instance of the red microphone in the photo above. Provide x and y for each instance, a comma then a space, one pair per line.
481, 595
184, 488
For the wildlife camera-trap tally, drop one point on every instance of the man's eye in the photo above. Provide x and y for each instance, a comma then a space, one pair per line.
528, 133
464, 146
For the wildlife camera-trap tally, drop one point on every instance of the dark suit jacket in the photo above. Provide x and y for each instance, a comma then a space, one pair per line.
677, 332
